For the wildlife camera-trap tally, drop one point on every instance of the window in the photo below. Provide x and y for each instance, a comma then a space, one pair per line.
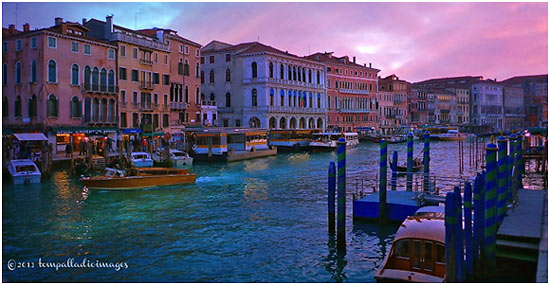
111, 53
18, 45
18, 73
254, 97
156, 99
180, 68
228, 57
181, 48
212, 97
76, 108
135, 97
186, 94
254, 67
4, 74
135, 75
197, 52
135, 120
228, 75
197, 92
74, 74
32, 106
202, 59
165, 101
52, 71
74, 47
5, 107
156, 78
166, 79
123, 120
282, 71
186, 68
227, 99
52, 106
165, 121
282, 97
122, 73
111, 81
271, 97
135, 53
18, 107
123, 52
87, 50
211, 59
197, 73
212, 76
202, 76
186, 50
52, 42
318, 77
5, 47
270, 70
123, 96
156, 57
165, 59
103, 79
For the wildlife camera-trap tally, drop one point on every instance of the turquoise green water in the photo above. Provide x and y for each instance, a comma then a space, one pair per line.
262, 220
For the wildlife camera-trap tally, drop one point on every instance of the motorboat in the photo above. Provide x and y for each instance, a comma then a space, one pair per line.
141, 159
24, 171
418, 250
402, 167
327, 141
452, 135
138, 178
397, 139
178, 157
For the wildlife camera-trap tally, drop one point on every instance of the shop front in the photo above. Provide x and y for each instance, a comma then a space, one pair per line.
101, 138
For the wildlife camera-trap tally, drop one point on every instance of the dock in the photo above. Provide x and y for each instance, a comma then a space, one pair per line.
401, 204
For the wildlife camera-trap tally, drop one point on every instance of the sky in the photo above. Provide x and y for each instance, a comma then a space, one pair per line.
415, 41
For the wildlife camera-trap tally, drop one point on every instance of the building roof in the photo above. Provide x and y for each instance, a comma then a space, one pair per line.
327, 57
54, 29
168, 32
451, 80
518, 80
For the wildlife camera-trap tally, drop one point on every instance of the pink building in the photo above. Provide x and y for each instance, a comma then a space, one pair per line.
59, 82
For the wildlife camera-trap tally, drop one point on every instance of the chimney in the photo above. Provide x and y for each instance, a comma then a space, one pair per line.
108, 26
354, 59
83, 21
26, 27
58, 20
370, 65
64, 28
364, 64
12, 29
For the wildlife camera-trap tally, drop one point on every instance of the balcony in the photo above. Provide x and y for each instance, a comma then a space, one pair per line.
178, 106
146, 85
145, 61
353, 91
343, 110
208, 103
146, 107
291, 110
142, 41
99, 89
225, 109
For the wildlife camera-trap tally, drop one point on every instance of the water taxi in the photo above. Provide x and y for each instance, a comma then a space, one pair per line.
141, 159
137, 178
291, 140
418, 249
452, 135
24, 171
178, 157
327, 141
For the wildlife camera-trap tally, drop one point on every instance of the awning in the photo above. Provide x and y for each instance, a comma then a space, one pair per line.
85, 130
31, 137
157, 134
131, 131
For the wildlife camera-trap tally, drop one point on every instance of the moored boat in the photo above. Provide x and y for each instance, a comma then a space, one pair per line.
178, 157
291, 140
418, 250
402, 167
141, 159
24, 171
452, 135
397, 139
327, 141
137, 178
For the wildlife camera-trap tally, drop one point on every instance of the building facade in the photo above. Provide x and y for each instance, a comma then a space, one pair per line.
56, 79
462, 95
535, 89
444, 107
418, 106
394, 90
487, 105
514, 108
258, 86
351, 93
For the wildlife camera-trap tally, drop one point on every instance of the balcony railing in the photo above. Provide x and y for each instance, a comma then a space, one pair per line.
146, 85
342, 110
96, 88
130, 38
292, 110
145, 61
353, 91
146, 106
178, 106
208, 103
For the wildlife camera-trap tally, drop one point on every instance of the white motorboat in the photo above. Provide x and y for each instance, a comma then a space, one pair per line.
141, 159
328, 140
178, 157
24, 171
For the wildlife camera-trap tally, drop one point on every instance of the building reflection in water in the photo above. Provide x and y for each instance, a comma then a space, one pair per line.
255, 193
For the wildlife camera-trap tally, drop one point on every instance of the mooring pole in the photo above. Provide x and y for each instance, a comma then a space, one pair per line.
459, 242
469, 269
502, 174
450, 236
519, 157
341, 223
511, 161
409, 161
478, 220
394, 171
382, 207
490, 208
426, 161
331, 197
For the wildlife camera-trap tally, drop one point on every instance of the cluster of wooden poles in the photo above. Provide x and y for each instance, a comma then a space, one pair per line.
471, 240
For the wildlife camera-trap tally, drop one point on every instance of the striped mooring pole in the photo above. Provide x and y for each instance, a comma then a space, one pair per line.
409, 162
459, 244
519, 162
502, 176
479, 221
341, 215
468, 206
450, 236
511, 162
382, 205
331, 197
426, 161
394, 171
490, 208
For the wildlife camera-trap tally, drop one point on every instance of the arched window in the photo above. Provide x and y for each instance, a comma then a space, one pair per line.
227, 99
95, 110
32, 106
294, 73
53, 108
33, 71
74, 74
18, 107
186, 68
76, 108
212, 76
254, 97
111, 110
299, 74
202, 76
111, 81
4, 74
254, 67
103, 110
282, 97
52, 71
270, 70
18, 72
282, 71
197, 69
289, 73
103, 81
271, 97
186, 94
5, 107
87, 109
228, 75
212, 97
309, 76
318, 100
95, 79
87, 77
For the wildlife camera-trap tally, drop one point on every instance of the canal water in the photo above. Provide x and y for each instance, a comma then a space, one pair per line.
262, 220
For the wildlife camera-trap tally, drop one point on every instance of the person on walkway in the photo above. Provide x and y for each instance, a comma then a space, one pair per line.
110, 144
81, 147
68, 150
